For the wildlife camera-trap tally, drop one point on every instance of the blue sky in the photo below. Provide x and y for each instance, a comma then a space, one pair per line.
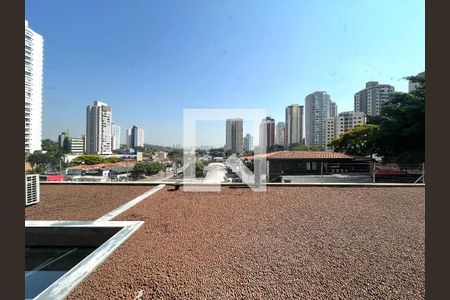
150, 59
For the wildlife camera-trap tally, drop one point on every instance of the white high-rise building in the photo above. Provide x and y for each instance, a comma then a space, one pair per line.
76, 145
138, 137
294, 124
135, 137
318, 107
342, 123
248, 142
129, 137
98, 128
372, 98
234, 135
34, 61
115, 136
280, 134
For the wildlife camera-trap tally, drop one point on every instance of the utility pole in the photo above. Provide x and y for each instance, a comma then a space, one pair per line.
373, 171
321, 171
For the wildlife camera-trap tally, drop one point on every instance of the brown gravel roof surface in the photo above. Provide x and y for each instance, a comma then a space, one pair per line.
287, 243
80, 202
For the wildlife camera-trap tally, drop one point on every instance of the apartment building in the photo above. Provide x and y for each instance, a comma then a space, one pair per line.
34, 61
267, 133
98, 128
342, 123
294, 124
234, 135
280, 134
318, 107
248, 142
115, 136
372, 98
135, 137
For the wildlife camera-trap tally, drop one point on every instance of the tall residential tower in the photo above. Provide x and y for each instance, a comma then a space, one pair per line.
294, 124
98, 128
318, 107
280, 134
267, 133
34, 61
234, 135
135, 137
115, 136
248, 142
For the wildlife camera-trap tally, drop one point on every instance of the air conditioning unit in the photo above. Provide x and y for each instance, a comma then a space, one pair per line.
31, 189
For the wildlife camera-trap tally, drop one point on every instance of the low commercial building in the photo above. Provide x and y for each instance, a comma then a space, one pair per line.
100, 172
161, 154
283, 163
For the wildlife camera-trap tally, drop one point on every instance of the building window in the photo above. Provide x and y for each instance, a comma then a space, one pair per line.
314, 165
308, 165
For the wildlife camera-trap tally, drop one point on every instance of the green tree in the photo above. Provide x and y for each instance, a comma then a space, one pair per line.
146, 168
49, 145
360, 140
139, 170
248, 153
111, 159
275, 148
49, 159
88, 159
401, 137
39, 161
303, 147
176, 155
199, 153
216, 152
66, 145
199, 166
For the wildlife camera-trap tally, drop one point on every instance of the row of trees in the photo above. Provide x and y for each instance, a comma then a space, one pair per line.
51, 158
396, 135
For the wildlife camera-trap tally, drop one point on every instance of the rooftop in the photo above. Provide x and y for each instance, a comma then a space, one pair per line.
289, 242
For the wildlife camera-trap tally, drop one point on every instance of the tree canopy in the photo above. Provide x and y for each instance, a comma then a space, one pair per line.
146, 168
93, 159
303, 147
359, 141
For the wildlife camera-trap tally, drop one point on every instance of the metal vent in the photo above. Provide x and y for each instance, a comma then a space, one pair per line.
31, 189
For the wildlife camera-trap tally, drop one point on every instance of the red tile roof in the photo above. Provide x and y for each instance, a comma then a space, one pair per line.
98, 166
301, 155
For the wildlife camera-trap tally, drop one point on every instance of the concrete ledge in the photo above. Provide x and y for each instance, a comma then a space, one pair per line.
100, 183
154, 183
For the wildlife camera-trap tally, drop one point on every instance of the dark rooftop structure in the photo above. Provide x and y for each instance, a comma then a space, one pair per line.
291, 242
282, 163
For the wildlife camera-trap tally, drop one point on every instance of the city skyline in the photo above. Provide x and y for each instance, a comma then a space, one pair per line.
224, 66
